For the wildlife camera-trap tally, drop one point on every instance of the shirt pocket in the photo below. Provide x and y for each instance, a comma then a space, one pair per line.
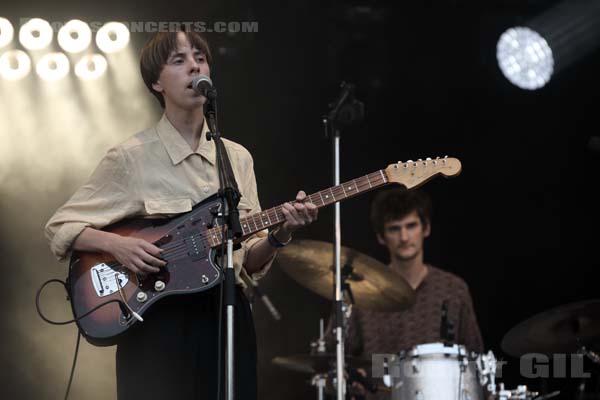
167, 206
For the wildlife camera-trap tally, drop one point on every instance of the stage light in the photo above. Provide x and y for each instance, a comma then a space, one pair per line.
525, 58
112, 37
14, 65
91, 67
6, 32
35, 34
53, 66
75, 36
531, 54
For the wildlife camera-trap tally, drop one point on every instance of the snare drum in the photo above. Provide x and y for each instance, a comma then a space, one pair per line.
434, 371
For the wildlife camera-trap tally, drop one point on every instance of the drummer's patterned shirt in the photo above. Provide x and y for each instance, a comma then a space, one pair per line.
371, 332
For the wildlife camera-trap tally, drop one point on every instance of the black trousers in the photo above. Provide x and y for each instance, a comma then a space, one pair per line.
173, 354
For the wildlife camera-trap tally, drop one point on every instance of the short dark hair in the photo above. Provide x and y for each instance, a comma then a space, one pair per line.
397, 203
156, 52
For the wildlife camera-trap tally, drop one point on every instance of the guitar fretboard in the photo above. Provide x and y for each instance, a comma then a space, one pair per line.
274, 216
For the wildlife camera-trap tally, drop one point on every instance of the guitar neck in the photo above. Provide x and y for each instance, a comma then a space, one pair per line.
274, 216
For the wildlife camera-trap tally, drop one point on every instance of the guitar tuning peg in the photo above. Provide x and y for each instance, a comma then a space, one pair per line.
399, 162
409, 161
419, 159
428, 159
445, 156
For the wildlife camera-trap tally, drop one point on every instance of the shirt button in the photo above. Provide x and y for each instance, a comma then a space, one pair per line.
205, 189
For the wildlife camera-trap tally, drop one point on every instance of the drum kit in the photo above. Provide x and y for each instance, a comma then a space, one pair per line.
428, 371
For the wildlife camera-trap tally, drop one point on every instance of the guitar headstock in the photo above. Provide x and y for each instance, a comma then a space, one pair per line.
415, 173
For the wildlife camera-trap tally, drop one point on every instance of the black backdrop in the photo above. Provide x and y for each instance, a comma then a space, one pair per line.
518, 224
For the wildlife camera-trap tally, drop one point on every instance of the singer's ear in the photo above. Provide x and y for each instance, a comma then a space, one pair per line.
157, 87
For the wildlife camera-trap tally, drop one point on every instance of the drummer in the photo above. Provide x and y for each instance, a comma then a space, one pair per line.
402, 221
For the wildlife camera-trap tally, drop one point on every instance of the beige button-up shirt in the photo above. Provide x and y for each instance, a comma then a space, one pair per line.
155, 173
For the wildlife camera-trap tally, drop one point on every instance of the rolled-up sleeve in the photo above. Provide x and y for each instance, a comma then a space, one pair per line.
107, 197
250, 204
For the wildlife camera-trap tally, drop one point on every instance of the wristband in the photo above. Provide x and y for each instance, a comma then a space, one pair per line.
273, 241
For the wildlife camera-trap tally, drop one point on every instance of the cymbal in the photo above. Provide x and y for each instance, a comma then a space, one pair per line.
374, 286
560, 330
317, 363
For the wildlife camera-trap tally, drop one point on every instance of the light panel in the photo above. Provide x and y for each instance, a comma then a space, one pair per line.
53, 66
525, 58
35, 34
91, 67
6, 32
112, 37
14, 65
75, 36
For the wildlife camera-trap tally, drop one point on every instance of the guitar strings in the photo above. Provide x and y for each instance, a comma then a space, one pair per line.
178, 248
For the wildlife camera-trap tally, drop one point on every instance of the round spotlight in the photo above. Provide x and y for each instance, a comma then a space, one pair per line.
6, 32
14, 65
35, 34
91, 67
112, 37
525, 58
53, 66
75, 36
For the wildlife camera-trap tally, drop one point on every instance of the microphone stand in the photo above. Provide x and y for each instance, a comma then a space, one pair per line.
229, 215
329, 122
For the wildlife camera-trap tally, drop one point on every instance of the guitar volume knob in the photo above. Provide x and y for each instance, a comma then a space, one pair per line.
159, 286
141, 297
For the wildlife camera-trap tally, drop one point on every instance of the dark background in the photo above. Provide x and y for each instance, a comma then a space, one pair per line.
518, 224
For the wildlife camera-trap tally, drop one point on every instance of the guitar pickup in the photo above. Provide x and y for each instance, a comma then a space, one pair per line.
196, 247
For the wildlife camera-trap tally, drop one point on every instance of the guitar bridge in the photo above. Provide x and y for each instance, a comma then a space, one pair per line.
106, 280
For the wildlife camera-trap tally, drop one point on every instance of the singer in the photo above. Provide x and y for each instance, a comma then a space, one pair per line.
402, 221
159, 172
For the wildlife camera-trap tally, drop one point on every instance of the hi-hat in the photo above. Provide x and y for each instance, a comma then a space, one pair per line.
564, 329
374, 286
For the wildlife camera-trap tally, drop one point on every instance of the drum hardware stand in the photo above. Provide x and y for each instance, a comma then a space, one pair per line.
319, 381
487, 366
520, 393
346, 110
318, 347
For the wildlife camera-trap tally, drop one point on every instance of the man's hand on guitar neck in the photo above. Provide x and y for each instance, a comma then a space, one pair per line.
137, 255
297, 214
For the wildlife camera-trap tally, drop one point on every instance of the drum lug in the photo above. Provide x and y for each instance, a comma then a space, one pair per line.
415, 367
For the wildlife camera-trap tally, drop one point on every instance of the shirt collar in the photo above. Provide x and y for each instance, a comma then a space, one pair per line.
176, 146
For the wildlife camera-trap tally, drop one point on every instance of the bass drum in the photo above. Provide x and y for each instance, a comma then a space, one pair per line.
434, 371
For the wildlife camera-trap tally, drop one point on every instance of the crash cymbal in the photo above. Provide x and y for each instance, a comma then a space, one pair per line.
374, 286
560, 330
317, 363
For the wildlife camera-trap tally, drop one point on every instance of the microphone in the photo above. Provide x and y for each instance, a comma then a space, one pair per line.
265, 299
203, 85
345, 92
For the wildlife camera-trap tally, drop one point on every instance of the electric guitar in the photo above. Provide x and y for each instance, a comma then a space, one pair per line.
113, 299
